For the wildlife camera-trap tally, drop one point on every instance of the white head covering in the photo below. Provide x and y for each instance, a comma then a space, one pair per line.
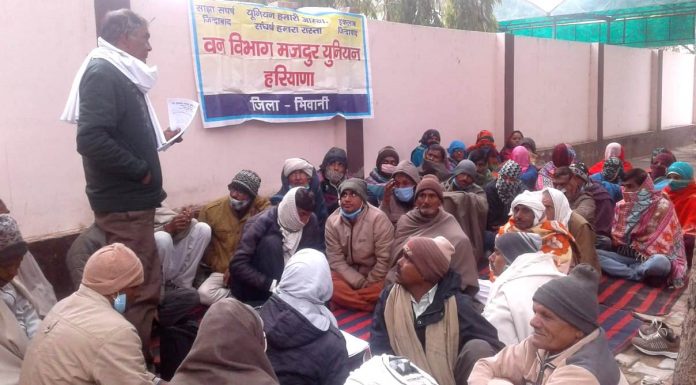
306, 285
612, 149
532, 200
293, 164
561, 206
290, 224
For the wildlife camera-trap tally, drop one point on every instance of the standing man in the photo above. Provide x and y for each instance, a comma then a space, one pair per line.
117, 136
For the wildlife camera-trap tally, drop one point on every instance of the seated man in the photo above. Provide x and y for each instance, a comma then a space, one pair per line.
359, 238
20, 314
298, 172
85, 339
387, 160
428, 219
604, 205
660, 160
520, 268
332, 171
425, 317
435, 163
429, 137
647, 238
567, 347
681, 190
399, 191
226, 217
580, 201
466, 200
181, 241
268, 240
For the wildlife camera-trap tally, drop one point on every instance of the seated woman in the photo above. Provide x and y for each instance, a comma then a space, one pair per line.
521, 269
399, 192
612, 150
500, 194
268, 240
681, 190
528, 214
563, 156
529, 173
513, 140
429, 137
242, 360
610, 178
646, 236
304, 343
483, 172
457, 153
298, 172
435, 163
530, 145
387, 160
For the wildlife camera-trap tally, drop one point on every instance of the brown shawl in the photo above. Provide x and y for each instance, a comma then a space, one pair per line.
229, 349
413, 224
470, 209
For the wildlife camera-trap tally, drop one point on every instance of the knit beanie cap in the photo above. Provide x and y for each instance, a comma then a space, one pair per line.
246, 181
465, 167
431, 256
514, 244
573, 298
10, 238
354, 184
430, 182
112, 268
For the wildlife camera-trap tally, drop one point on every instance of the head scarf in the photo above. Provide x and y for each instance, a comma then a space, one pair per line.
508, 189
521, 156
507, 140
664, 157
529, 144
485, 139
531, 200
290, 224
561, 207
685, 172
563, 155
224, 355
512, 245
456, 145
614, 149
612, 171
306, 285
293, 164
427, 134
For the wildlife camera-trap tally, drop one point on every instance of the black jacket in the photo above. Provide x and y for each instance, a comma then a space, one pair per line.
498, 212
117, 142
300, 353
259, 260
314, 186
471, 324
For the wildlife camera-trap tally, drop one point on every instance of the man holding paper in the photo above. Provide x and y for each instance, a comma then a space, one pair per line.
118, 136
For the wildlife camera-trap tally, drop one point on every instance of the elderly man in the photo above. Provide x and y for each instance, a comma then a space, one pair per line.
425, 317
428, 219
118, 136
226, 217
359, 238
399, 191
467, 201
567, 347
84, 338
647, 238
20, 310
297, 172
332, 171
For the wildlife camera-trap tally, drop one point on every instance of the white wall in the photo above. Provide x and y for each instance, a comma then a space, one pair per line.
677, 89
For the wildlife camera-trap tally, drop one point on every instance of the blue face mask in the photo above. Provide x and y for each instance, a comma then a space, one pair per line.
353, 215
120, 303
404, 194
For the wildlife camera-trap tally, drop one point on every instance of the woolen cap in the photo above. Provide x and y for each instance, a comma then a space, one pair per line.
465, 167
385, 152
431, 256
573, 298
514, 244
246, 181
112, 268
430, 182
354, 184
12, 244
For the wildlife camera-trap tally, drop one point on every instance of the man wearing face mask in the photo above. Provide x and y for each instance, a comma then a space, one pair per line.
399, 191
226, 218
332, 172
84, 339
429, 220
387, 159
358, 245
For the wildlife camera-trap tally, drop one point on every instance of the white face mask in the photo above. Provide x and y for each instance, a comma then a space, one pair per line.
387, 168
237, 204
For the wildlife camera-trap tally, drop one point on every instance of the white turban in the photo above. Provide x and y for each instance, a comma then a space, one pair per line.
531, 200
